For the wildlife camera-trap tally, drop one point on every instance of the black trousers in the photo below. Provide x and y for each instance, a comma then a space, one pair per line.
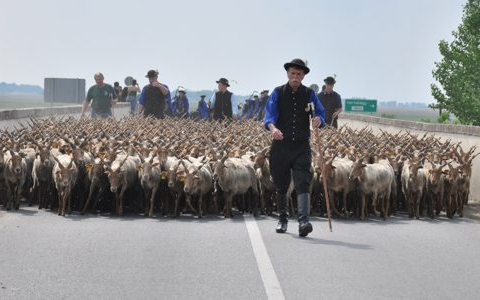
289, 158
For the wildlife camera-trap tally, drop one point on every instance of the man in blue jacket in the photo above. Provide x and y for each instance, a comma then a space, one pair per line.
287, 118
155, 97
203, 108
180, 105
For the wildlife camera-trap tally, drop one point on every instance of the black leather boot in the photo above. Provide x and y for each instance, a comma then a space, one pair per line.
282, 224
282, 210
304, 226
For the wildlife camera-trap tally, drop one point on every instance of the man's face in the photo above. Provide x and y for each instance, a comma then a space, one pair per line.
295, 77
98, 80
328, 88
222, 87
152, 79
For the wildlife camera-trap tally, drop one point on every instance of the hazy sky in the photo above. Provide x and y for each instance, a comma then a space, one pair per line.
378, 49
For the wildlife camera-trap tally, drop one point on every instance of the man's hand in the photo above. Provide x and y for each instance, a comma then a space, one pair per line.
316, 122
277, 134
156, 84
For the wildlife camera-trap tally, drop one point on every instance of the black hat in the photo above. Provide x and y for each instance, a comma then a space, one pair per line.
329, 80
151, 73
223, 81
298, 63
203, 96
265, 92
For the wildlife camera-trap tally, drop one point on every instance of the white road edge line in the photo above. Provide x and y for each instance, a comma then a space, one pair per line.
269, 278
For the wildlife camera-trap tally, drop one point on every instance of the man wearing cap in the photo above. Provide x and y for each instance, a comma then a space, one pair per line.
180, 104
155, 97
102, 96
287, 117
331, 101
202, 108
223, 103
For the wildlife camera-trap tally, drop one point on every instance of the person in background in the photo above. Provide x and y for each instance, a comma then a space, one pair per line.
263, 103
331, 101
248, 108
133, 89
180, 105
118, 90
256, 107
202, 108
223, 103
102, 98
287, 117
155, 97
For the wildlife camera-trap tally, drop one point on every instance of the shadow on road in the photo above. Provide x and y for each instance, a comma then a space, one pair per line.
326, 242
23, 211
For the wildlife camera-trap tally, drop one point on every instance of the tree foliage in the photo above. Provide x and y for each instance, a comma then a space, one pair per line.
458, 73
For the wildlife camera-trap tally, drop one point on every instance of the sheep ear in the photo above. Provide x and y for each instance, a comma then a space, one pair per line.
89, 167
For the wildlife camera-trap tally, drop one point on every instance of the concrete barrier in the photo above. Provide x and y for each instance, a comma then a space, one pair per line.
22, 113
430, 127
468, 135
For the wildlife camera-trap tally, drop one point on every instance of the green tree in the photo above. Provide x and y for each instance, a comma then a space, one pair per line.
458, 72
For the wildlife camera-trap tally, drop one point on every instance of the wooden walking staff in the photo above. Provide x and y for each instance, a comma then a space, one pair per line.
311, 108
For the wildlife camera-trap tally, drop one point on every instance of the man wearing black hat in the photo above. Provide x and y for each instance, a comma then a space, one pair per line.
331, 101
288, 113
223, 103
154, 97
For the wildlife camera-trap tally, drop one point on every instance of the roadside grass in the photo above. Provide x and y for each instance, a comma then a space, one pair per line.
409, 114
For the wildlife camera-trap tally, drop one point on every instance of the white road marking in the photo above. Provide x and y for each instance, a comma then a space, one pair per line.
269, 278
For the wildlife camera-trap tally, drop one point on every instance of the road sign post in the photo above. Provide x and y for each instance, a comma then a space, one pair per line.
361, 105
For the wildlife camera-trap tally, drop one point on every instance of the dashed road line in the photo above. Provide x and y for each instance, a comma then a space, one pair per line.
269, 278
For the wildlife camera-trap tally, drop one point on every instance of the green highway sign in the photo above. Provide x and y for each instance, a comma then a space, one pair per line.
360, 105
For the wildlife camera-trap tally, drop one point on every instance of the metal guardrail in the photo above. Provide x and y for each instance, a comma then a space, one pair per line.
39, 112
445, 128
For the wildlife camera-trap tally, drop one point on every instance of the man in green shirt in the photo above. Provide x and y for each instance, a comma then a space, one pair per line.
102, 96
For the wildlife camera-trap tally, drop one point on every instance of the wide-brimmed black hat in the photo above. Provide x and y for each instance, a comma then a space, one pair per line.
329, 80
151, 73
298, 63
223, 81
203, 96
264, 91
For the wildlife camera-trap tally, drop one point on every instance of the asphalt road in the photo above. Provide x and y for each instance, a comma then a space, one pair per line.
44, 256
